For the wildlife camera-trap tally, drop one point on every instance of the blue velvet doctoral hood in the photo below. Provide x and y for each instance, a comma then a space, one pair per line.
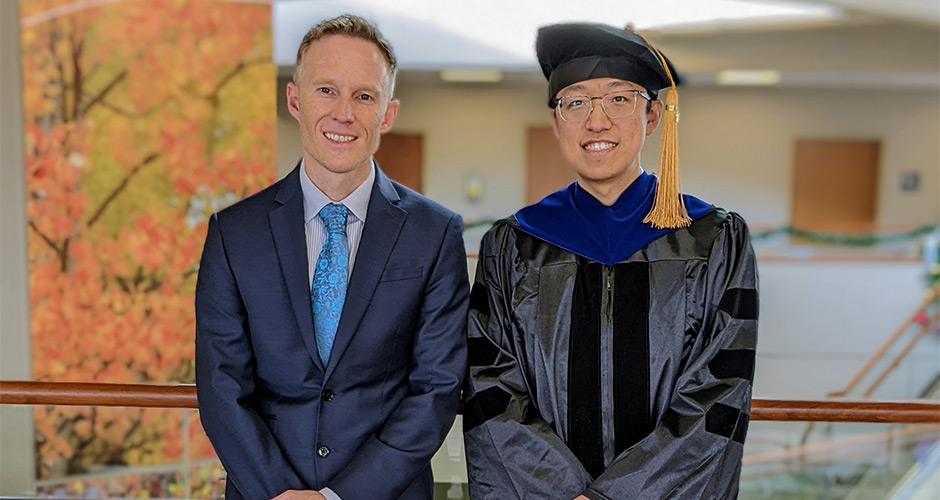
574, 220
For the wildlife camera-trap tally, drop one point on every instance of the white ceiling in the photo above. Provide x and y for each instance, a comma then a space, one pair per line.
920, 11
818, 43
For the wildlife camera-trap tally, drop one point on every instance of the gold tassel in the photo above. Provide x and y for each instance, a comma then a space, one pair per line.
668, 205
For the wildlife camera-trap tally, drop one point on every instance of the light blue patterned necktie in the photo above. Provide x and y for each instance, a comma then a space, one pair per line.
328, 292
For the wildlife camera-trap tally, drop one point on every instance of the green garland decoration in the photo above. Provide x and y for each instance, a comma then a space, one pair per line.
847, 239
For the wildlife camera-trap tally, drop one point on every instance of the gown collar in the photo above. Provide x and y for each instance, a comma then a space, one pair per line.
571, 218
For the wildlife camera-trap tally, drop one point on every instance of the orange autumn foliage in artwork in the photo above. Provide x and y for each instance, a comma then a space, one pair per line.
141, 119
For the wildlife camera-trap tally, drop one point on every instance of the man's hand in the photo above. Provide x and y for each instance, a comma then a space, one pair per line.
301, 495
582, 497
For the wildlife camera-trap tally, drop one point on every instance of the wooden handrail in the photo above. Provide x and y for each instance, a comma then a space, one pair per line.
184, 396
93, 394
932, 295
885, 412
926, 327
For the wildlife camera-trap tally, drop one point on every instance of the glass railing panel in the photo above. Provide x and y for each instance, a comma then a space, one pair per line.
114, 452
782, 460
832, 461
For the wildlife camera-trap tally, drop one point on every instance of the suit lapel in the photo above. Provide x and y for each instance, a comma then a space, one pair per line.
287, 226
384, 220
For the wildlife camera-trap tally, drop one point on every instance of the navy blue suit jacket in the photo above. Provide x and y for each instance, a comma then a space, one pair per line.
366, 424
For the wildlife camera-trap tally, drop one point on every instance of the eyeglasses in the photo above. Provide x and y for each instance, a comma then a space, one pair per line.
619, 104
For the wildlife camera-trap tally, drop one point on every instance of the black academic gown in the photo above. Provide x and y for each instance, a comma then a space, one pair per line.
625, 380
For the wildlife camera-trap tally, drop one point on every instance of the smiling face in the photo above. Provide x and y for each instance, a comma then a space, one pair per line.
605, 152
341, 99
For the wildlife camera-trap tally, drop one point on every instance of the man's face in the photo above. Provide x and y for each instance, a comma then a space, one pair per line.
341, 101
605, 151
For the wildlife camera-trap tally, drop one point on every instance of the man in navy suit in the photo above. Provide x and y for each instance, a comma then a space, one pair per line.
330, 355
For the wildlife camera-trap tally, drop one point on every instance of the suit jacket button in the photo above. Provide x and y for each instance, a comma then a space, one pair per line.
327, 395
323, 451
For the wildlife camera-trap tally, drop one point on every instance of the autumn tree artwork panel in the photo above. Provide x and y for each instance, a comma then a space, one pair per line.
142, 117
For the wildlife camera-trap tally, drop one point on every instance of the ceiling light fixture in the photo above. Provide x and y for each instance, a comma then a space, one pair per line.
472, 75
748, 77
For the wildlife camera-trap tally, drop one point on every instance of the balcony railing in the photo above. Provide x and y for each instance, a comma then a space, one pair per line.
184, 396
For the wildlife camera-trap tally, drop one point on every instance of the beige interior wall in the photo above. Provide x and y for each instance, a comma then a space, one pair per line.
16, 424
736, 145
473, 130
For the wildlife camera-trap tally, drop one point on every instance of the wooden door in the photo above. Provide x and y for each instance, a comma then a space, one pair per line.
546, 169
835, 185
399, 156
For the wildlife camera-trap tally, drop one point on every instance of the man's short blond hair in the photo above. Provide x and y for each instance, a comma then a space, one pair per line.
353, 26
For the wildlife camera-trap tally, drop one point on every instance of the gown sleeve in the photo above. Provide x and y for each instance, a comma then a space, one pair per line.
696, 448
512, 452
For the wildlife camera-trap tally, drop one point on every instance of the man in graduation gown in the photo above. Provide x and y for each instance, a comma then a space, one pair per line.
613, 324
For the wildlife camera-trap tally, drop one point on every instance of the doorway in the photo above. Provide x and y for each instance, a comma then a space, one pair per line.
399, 156
546, 169
835, 185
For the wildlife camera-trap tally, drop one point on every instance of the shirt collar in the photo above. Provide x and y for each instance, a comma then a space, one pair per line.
357, 202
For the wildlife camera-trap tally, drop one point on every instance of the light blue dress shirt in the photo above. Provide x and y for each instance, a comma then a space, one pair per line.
358, 204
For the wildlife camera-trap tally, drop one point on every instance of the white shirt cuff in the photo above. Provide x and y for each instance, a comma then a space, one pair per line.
330, 494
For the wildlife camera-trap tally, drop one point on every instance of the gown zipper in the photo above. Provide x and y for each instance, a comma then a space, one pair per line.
607, 364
